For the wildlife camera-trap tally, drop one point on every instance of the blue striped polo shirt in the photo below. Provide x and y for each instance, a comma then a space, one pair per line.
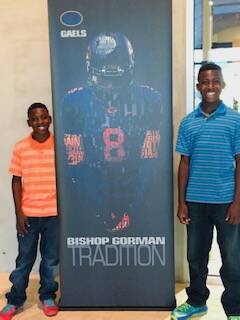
212, 144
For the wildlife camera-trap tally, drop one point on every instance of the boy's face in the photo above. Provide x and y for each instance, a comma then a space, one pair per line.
40, 120
210, 86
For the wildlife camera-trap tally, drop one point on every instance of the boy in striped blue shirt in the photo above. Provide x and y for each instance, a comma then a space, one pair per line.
209, 194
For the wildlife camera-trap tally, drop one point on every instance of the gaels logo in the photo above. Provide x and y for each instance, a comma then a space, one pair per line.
72, 19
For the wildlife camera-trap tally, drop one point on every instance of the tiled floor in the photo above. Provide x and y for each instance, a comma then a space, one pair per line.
32, 308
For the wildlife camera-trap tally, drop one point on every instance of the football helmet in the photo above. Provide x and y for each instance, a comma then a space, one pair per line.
110, 61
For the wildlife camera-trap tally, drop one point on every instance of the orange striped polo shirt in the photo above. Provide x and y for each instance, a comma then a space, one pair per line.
35, 163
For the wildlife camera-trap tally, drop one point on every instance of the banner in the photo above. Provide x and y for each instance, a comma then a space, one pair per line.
111, 81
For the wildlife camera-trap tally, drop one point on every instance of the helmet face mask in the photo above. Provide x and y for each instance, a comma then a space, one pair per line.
110, 62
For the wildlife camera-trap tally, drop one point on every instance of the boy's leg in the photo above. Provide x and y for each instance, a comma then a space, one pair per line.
49, 248
199, 240
27, 251
228, 237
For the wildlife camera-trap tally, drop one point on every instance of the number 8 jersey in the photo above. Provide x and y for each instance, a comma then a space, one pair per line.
111, 147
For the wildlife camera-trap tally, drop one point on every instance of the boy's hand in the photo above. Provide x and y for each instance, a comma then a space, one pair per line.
183, 214
22, 224
233, 214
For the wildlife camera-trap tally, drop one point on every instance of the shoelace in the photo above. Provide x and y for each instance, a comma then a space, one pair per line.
8, 308
184, 307
49, 302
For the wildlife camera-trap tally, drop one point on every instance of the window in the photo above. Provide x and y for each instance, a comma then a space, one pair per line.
217, 38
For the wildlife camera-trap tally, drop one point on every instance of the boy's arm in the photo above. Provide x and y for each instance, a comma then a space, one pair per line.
183, 173
21, 219
233, 215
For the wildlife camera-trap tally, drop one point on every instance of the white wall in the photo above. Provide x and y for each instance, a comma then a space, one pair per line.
181, 63
25, 75
25, 78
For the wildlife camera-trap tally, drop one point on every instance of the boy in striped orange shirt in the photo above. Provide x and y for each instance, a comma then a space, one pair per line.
34, 193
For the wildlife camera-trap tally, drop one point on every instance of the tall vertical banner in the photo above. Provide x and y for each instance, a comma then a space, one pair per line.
111, 81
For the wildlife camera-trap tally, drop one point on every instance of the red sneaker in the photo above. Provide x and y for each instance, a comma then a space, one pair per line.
49, 307
8, 312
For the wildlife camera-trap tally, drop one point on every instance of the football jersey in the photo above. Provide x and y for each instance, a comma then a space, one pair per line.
111, 148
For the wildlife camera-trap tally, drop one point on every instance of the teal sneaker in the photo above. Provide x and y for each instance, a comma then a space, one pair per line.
8, 312
186, 311
50, 308
234, 318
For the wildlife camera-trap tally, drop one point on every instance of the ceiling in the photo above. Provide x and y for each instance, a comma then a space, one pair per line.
226, 14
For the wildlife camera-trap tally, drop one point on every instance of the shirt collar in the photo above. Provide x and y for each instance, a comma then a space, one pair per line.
47, 144
221, 109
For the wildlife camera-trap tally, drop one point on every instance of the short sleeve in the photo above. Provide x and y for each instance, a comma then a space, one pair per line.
183, 145
15, 164
236, 148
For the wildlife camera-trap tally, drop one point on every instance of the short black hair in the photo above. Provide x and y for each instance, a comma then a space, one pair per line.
36, 105
206, 65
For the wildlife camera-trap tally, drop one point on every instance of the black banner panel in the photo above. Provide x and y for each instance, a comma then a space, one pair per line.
111, 81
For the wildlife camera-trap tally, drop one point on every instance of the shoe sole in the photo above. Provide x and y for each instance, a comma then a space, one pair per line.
191, 317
